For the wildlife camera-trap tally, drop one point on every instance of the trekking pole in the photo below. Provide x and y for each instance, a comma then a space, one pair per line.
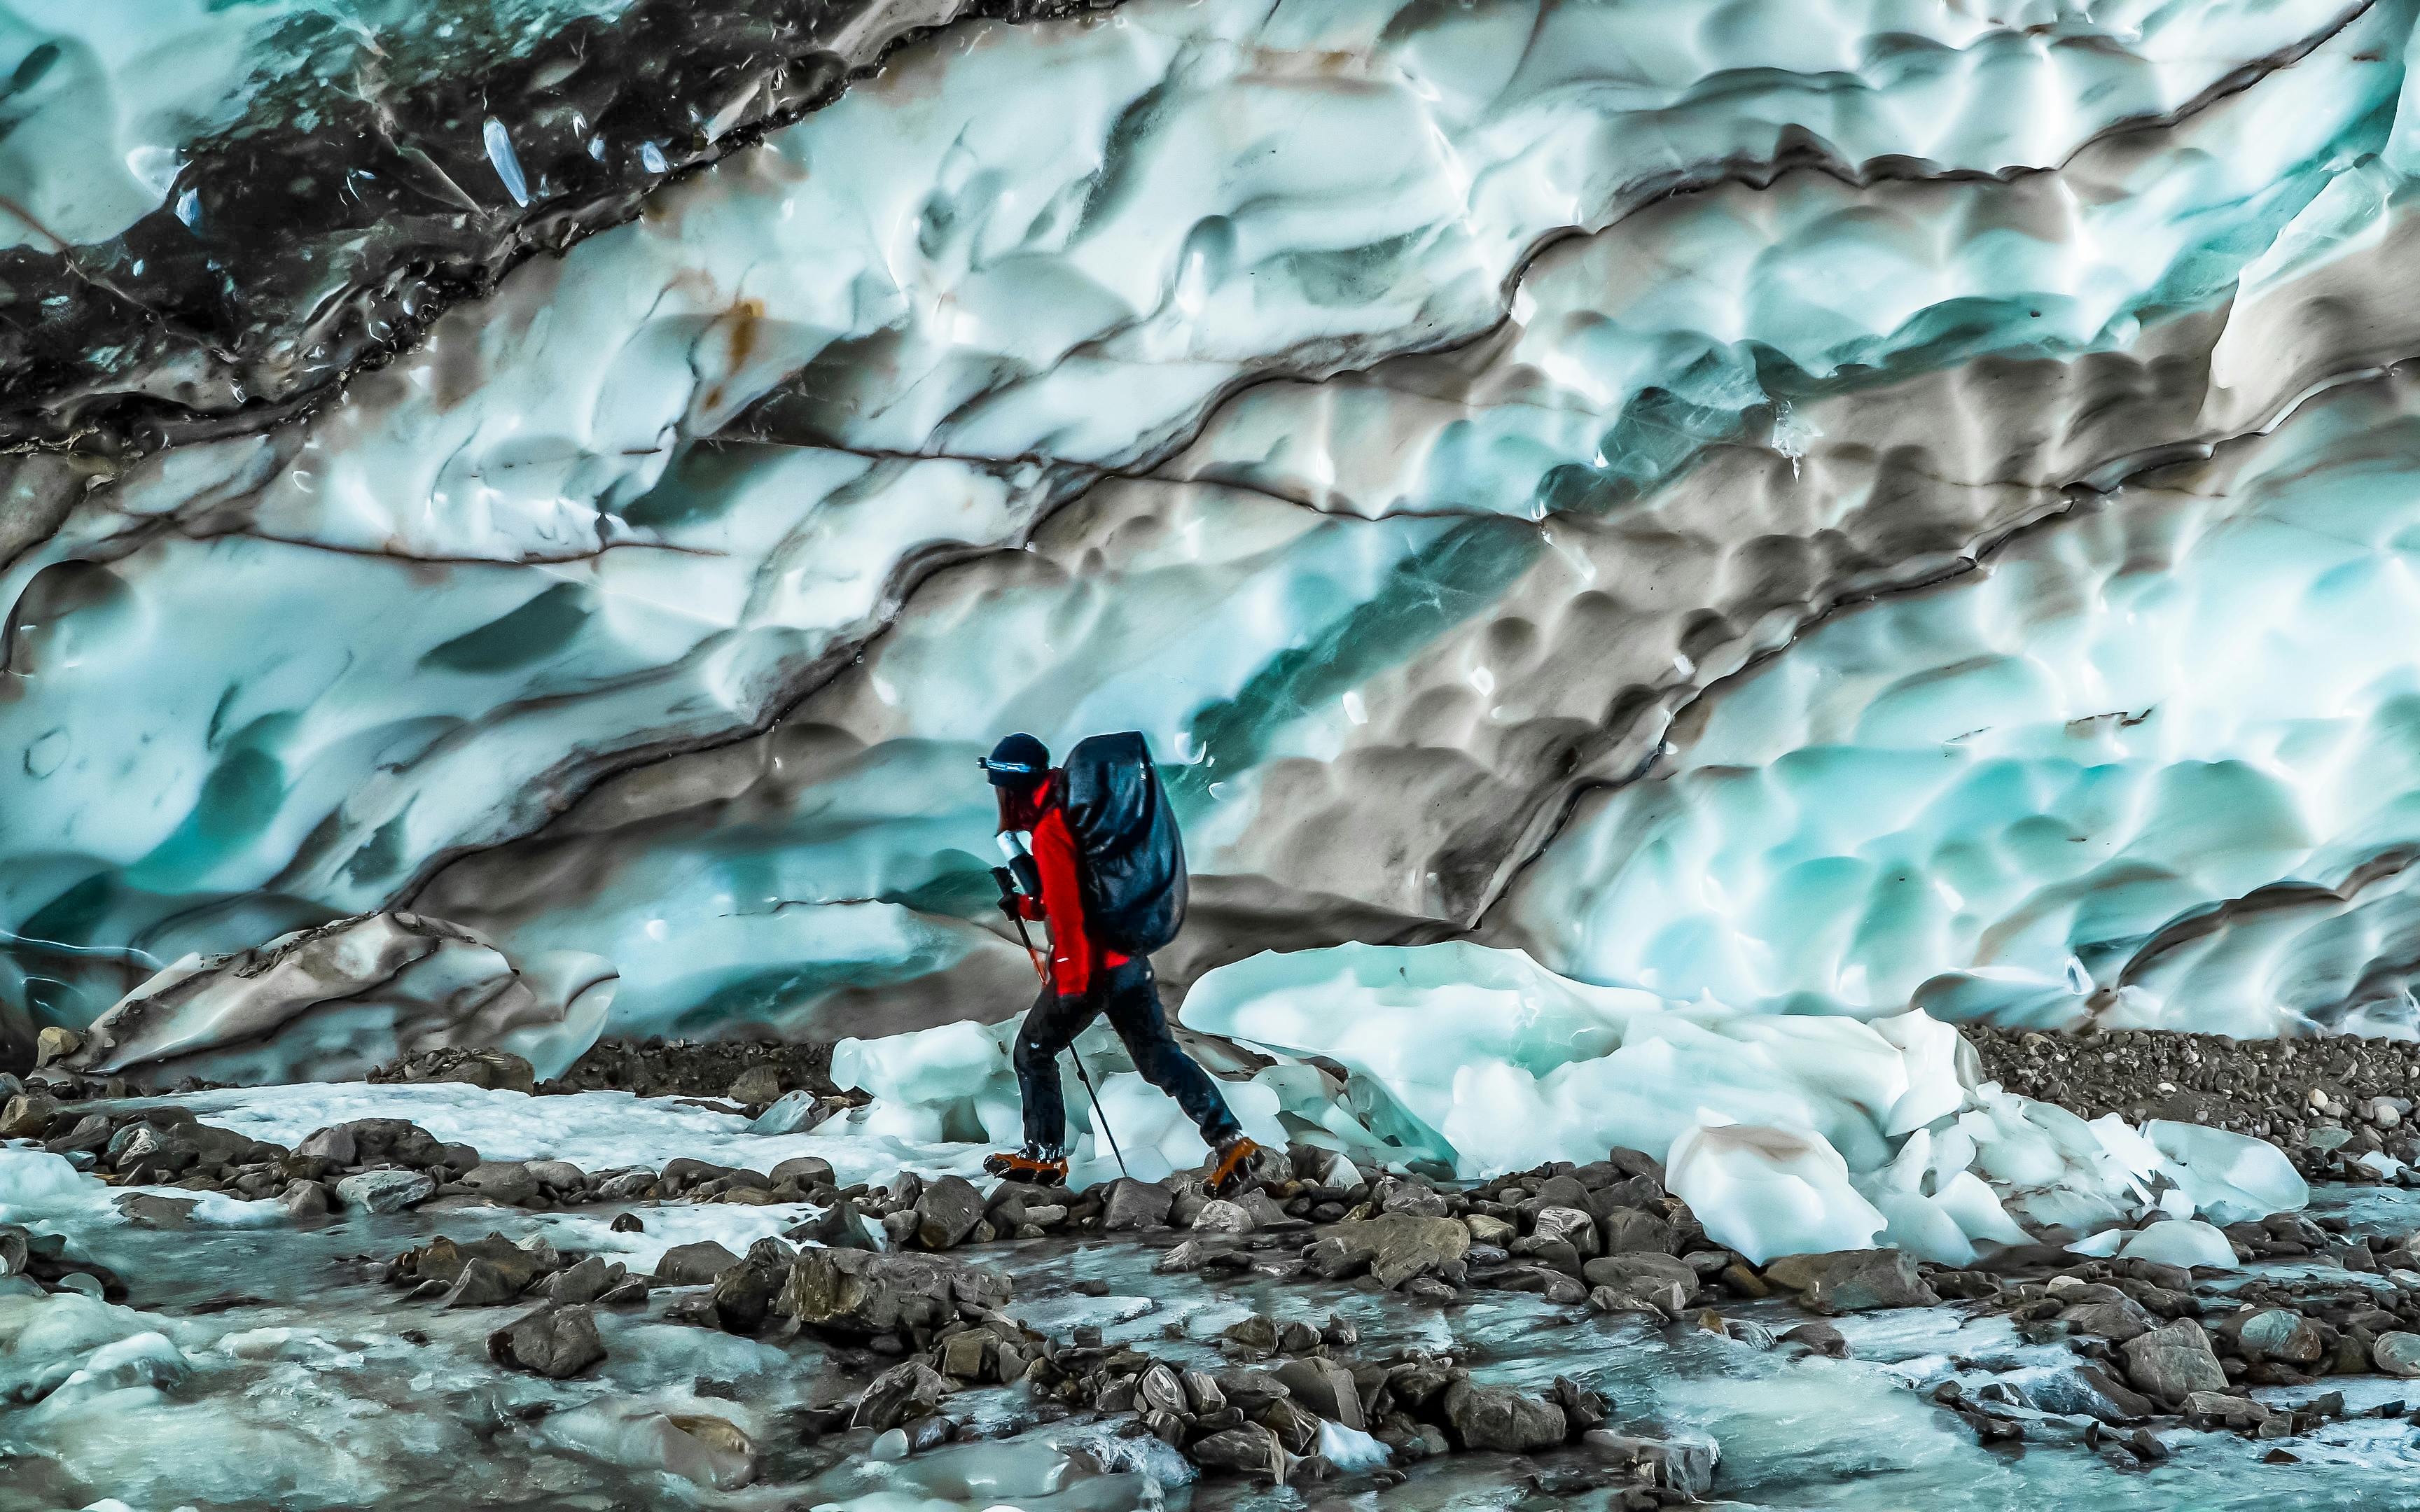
1000, 876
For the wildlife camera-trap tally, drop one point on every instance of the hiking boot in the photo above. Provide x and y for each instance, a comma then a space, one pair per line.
1234, 1161
1043, 1167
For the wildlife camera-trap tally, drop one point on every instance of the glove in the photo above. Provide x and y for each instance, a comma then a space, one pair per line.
1007, 903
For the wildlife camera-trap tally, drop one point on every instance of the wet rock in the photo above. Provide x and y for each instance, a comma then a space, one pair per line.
386, 1191
947, 1211
147, 1210
1633, 1230
2397, 1353
555, 1342
853, 1294
504, 1182
1486, 1229
374, 1141
1682, 1466
1295, 1429
743, 1295
1499, 1417
2276, 1334
2117, 1321
2171, 1362
1394, 1247
626, 1223
559, 1177
838, 1227
26, 1116
1573, 1226
55, 1044
1188, 1256
623, 1186
1250, 1450
1221, 1216
481, 1283
1639, 1281
2220, 1409
756, 1085
586, 1281
16, 1250
805, 1170
694, 1265
1252, 1338
1818, 1338
1411, 1198
1325, 1387
1853, 1280
901, 1394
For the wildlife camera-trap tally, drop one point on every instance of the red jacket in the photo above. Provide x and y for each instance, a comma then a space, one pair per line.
1075, 955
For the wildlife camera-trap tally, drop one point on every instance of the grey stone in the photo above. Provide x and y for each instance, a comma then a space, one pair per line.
2117, 1321
854, 1294
147, 1210
307, 1199
1575, 1226
947, 1211
1250, 1450
1685, 1466
2277, 1333
1416, 1199
587, 1281
2172, 1363
694, 1265
757, 1084
554, 1342
743, 1295
1633, 1230
25, 1117
482, 1283
503, 1181
902, 1393
806, 1170
838, 1227
559, 1175
1188, 1255
1639, 1281
1499, 1417
1394, 1247
1221, 1216
386, 1191
1324, 1387
2397, 1353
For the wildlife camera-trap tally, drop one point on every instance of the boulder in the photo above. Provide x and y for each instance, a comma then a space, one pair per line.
757, 1084
2172, 1363
55, 1044
854, 1294
1133, 1204
2397, 1353
386, 1191
1684, 1466
1249, 1450
902, 1393
2276, 1334
1394, 1247
305, 1199
1639, 1281
806, 1170
586, 1281
1576, 1226
1634, 1230
504, 1182
2117, 1321
1324, 1387
1486, 1229
743, 1295
838, 1227
1860, 1281
694, 1265
1221, 1216
554, 1342
1417, 1199
27, 1116
559, 1176
1499, 1417
481, 1283
947, 1211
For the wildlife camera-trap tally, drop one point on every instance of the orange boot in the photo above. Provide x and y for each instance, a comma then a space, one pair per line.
1043, 1167
1231, 1166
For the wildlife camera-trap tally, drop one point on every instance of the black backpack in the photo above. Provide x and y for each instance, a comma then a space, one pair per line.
1134, 859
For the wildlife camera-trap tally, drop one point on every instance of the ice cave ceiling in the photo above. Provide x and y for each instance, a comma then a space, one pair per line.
1808, 508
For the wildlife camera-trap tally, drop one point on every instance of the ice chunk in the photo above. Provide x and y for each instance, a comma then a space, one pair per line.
2230, 1176
1351, 1450
2181, 1241
1767, 1192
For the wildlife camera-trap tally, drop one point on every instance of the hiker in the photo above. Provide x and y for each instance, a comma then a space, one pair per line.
1104, 867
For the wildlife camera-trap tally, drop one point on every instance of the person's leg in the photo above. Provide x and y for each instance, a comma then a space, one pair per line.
1134, 1011
1049, 1028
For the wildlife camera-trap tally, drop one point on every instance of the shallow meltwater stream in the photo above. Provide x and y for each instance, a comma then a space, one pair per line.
272, 1366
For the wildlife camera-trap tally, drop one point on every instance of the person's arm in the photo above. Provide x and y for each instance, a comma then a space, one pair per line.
1063, 905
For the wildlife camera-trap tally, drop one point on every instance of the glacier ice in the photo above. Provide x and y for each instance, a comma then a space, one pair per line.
1652, 537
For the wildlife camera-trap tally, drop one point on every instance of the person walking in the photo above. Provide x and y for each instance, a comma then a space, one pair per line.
1094, 903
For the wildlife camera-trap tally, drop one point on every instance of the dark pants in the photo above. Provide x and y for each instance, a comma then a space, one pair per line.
1130, 996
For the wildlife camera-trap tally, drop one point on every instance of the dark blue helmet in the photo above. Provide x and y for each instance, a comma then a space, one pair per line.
1018, 761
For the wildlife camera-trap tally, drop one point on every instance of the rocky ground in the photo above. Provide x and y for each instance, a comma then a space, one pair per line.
2327, 1102
905, 1293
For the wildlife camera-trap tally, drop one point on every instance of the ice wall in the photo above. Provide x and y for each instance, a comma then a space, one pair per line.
1811, 507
